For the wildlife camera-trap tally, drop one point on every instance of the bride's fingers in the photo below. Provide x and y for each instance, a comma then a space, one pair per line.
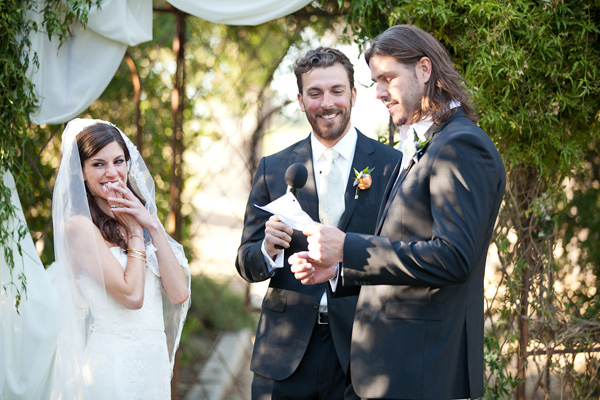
121, 191
111, 196
131, 208
120, 202
111, 192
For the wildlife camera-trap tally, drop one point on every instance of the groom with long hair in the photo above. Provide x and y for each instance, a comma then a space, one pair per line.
418, 327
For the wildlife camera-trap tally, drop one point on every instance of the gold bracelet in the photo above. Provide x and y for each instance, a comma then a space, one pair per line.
140, 252
137, 257
132, 236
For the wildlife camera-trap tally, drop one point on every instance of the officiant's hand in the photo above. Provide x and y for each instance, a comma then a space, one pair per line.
325, 243
277, 233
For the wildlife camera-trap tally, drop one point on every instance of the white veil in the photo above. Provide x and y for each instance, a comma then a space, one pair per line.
77, 319
27, 335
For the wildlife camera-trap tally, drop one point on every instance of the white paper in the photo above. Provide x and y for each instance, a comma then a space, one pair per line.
288, 210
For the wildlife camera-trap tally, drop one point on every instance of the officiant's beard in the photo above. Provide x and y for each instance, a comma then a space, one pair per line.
329, 131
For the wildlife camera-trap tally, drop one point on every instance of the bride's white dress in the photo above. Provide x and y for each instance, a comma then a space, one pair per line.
126, 356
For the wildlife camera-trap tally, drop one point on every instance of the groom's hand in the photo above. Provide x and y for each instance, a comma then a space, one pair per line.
325, 243
310, 271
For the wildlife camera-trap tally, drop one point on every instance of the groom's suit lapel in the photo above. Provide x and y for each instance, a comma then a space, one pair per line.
307, 196
391, 192
364, 156
393, 188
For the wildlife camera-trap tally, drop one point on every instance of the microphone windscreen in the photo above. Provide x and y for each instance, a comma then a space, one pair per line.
296, 175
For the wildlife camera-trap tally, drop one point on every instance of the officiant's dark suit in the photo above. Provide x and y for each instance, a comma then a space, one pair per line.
418, 327
286, 351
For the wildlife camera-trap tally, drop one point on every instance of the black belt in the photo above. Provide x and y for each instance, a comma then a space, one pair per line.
323, 318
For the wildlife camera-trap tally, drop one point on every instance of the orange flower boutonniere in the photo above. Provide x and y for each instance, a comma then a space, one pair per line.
362, 180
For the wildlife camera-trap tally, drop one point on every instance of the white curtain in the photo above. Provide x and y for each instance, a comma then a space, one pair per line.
239, 12
27, 338
72, 77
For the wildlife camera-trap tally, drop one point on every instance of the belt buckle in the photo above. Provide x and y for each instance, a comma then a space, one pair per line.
323, 319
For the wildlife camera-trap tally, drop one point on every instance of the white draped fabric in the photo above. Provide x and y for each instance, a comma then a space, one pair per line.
72, 77
28, 339
239, 12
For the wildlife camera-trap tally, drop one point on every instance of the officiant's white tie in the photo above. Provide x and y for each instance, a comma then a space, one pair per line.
331, 190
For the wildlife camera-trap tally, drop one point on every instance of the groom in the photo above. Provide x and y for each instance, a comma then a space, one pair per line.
302, 345
418, 328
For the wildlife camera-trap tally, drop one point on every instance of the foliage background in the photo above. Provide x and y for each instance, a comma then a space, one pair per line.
17, 101
533, 71
532, 68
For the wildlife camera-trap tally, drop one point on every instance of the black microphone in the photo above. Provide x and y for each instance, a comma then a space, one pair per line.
295, 177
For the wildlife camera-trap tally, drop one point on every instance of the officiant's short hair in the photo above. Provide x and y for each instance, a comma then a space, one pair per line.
322, 57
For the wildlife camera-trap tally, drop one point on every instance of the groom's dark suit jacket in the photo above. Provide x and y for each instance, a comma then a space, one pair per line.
418, 329
289, 309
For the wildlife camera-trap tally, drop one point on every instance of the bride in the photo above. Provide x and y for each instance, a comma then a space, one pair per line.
124, 283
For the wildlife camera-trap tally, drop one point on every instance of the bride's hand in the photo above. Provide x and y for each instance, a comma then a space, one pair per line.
127, 208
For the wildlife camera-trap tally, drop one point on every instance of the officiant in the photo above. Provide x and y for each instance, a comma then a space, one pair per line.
302, 345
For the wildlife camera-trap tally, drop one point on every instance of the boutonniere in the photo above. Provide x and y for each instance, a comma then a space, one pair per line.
413, 148
362, 179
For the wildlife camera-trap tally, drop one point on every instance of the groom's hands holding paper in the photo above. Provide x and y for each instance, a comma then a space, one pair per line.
325, 250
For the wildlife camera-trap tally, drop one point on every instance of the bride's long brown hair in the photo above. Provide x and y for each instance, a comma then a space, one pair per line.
89, 142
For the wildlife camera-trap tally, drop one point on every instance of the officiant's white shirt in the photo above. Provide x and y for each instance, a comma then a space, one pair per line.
346, 147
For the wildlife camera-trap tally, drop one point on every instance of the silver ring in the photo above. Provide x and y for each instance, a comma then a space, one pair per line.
113, 206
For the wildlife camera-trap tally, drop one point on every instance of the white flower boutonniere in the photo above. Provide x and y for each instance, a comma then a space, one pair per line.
412, 148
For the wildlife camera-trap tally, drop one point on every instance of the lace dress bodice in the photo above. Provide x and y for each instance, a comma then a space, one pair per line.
112, 317
126, 356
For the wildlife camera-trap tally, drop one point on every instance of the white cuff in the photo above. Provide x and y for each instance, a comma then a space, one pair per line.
277, 263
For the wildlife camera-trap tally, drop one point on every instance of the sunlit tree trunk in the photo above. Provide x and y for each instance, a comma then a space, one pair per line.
177, 105
137, 90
